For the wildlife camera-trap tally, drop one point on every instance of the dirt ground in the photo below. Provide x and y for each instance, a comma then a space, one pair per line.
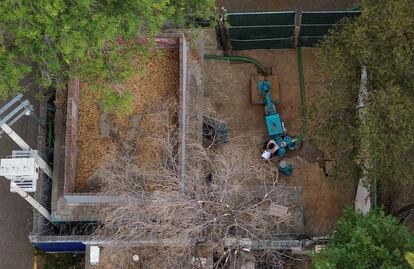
154, 83
324, 199
227, 96
282, 5
92, 147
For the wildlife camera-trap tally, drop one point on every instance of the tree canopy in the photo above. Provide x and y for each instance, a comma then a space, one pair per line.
382, 39
373, 241
55, 38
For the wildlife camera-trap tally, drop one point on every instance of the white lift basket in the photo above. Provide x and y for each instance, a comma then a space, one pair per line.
22, 168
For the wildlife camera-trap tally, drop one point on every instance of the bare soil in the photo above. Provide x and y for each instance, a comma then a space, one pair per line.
92, 147
155, 81
227, 96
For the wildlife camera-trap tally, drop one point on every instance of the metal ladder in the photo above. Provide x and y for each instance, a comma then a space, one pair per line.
23, 108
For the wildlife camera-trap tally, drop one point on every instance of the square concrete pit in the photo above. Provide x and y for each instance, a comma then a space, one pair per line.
69, 205
227, 96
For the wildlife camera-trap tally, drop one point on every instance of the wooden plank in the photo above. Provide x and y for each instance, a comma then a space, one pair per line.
278, 210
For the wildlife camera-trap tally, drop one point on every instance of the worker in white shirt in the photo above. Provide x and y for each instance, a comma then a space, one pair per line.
270, 149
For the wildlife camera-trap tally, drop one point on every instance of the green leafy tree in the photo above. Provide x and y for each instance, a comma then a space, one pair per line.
409, 257
95, 39
374, 241
382, 39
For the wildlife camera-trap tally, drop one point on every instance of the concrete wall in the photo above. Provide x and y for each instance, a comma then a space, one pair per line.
72, 135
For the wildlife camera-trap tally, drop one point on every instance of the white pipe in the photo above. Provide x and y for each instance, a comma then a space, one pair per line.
22, 144
41, 209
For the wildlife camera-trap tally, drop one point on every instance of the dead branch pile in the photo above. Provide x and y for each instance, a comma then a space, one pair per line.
225, 193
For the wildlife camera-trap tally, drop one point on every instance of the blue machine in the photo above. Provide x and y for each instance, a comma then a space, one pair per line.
285, 168
274, 123
275, 126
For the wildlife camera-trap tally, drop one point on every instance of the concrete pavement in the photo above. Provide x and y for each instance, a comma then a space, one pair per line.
16, 252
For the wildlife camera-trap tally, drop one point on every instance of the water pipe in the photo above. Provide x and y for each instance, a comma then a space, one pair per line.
240, 59
302, 96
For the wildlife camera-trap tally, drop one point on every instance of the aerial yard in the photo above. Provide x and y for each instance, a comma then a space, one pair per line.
228, 96
208, 134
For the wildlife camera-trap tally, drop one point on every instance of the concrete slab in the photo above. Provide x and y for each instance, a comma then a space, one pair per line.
16, 214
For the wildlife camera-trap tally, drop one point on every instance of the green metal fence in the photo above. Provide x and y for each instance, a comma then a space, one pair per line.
276, 30
314, 25
261, 30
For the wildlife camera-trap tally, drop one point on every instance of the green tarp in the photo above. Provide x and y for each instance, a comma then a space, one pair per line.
276, 30
262, 44
326, 17
261, 18
314, 25
261, 30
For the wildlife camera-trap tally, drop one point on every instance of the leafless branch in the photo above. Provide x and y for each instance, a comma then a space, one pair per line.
225, 193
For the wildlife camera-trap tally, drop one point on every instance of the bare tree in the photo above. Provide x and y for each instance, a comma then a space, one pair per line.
226, 193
